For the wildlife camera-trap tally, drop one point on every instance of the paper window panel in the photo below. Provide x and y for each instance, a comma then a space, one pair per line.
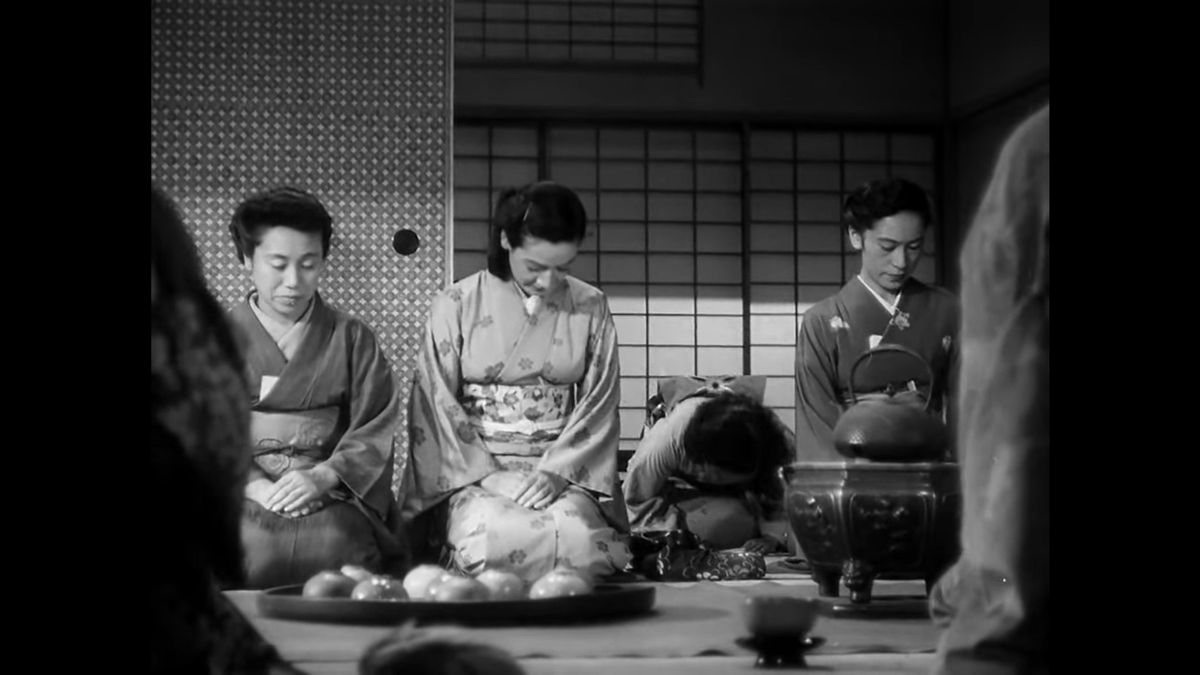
719, 177
672, 330
719, 239
671, 176
866, 146
773, 299
673, 299
719, 331
626, 298
719, 269
671, 237
771, 145
671, 207
514, 142
622, 143
766, 329
818, 177
818, 268
578, 174
666, 361
772, 237
773, 360
622, 237
726, 300
772, 268
631, 329
820, 239
616, 175
622, 267
666, 268
633, 360
715, 361
670, 144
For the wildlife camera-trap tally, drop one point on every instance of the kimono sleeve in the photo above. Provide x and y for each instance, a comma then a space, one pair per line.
447, 453
817, 405
657, 458
951, 393
586, 451
364, 453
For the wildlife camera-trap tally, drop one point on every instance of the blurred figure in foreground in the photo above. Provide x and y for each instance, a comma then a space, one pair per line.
995, 602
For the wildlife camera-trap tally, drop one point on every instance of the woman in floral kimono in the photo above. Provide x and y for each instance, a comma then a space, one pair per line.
711, 465
513, 423
887, 222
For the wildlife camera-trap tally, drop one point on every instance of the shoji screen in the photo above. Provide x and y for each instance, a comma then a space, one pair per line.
631, 32
799, 252
679, 242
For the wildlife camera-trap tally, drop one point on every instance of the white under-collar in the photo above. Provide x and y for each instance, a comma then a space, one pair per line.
532, 302
286, 337
889, 308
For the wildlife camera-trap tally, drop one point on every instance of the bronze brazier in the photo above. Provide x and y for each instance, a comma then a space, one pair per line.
858, 521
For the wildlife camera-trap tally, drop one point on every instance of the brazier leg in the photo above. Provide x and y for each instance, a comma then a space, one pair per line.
827, 581
860, 577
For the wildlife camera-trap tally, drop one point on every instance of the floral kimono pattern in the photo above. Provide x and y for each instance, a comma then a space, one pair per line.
501, 391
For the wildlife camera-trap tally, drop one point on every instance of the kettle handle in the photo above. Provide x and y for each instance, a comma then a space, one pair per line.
890, 347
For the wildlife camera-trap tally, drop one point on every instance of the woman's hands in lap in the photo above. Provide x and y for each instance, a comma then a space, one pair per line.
507, 484
260, 490
295, 494
540, 489
535, 490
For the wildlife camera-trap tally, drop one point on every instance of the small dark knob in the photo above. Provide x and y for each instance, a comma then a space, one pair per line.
406, 242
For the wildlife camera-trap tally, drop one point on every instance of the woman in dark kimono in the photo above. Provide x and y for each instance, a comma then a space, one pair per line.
887, 221
324, 406
199, 426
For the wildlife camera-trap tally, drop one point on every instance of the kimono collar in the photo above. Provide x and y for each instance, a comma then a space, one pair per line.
287, 337
534, 303
890, 308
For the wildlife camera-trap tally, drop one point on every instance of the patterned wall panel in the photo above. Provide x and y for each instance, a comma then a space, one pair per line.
350, 99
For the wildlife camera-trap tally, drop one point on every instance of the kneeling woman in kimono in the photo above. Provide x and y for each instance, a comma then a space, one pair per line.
324, 406
887, 221
513, 423
711, 466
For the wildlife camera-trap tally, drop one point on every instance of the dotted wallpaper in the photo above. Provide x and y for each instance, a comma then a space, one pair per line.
349, 99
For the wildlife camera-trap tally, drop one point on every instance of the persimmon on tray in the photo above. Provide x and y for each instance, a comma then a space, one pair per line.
429, 594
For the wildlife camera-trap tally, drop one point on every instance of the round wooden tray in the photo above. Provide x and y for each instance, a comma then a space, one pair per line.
605, 602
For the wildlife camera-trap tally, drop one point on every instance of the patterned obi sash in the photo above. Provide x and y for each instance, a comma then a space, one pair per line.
528, 414
287, 441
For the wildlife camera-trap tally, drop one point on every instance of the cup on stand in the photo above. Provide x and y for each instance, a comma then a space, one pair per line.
779, 626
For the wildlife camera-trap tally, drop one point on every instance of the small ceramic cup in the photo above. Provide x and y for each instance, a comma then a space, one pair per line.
769, 616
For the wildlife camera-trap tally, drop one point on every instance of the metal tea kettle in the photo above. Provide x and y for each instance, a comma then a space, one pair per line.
890, 428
